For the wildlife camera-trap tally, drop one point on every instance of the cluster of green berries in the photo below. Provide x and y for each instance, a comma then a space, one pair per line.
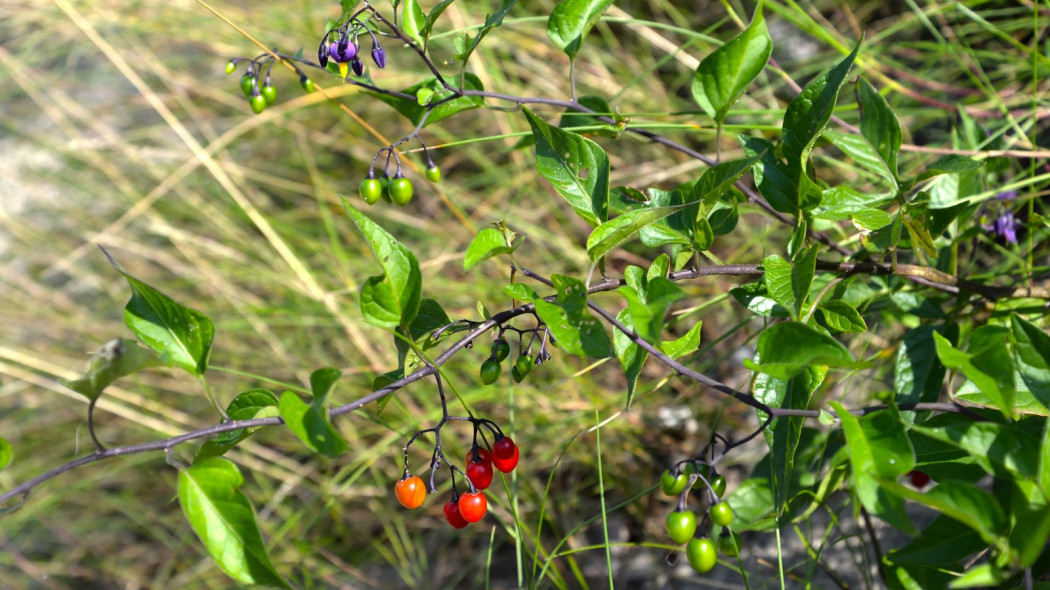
396, 189
682, 524
478, 472
492, 368
262, 95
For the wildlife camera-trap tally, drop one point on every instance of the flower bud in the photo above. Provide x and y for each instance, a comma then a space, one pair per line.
357, 65
379, 56
322, 53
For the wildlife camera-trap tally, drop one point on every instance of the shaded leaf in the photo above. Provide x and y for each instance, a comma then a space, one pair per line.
432, 87
391, 299
310, 422
117, 358
631, 356
248, 405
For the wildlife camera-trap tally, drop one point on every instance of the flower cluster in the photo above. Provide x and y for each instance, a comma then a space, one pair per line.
341, 45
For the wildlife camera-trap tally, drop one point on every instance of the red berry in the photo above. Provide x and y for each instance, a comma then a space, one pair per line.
506, 465
504, 448
919, 479
473, 506
453, 516
483, 456
410, 492
479, 473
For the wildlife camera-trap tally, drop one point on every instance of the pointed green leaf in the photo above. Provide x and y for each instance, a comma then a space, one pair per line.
950, 164
574, 329
648, 314
630, 355
779, 285
944, 543
466, 45
413, 21
117, 358
999, 449
521, 292
435, 12
962, 501
487, 243
413, 111
224, 520
430, 318
576, 167
723, 76
786, 349
718, 179
248, 405
802, 271
771, 177
392, 299
1031, 355
862, 152
990, 370
879, 451
918, 374
879, 124
571, 20
683, 345
842, 317
310, 422
181, 336
612, 233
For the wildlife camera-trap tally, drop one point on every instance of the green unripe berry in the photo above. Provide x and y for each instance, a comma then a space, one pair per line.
371, 190
247, 84
729, 543
258, 103
400, 190
524, 364
231, 66
718, 484
269, 93
671, 484
721, 514
490, 371
681, 526
702, 555
434, 173
307, 84
500, 350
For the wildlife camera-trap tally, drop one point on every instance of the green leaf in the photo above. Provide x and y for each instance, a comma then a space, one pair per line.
863, 153
950, 164
779, 284
917, 373
248, 405
944, 543
751, 502
785, 433
962, 501
985, 575
1044, 461
574, 329
718, 179
181, 336
786, 349
991, 371
430, 318
7, 453
802, 271
630, 355
521, 292
224, 520
842, 202
1031, 355
612, 233
117, 358
1029, 518
648, 314
413, 111
879, 451
723, 76
391, 299
879, 124
771, 178
428, 26
310, 422
871, 219
999, 449
842, 317
683, 345
487, 243
576, 167
755, 297
413, 21
571, 20
804, 121
493, 20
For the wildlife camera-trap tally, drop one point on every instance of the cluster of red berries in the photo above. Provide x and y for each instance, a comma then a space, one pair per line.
682, 525
470, 506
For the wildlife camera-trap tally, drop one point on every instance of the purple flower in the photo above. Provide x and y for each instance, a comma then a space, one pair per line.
379, 56
1006, 195
343, 51
1005, 227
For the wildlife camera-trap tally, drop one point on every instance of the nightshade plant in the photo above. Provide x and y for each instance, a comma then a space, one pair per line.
970, 388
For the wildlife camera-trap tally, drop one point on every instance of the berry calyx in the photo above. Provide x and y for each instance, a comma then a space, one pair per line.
453, 516
411, 492
672, 484
434, 173
702, 555
257, 102
490, 371
506, 465
483, 456
721, 514
400, 190
681, 526
473, 506
371, 190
